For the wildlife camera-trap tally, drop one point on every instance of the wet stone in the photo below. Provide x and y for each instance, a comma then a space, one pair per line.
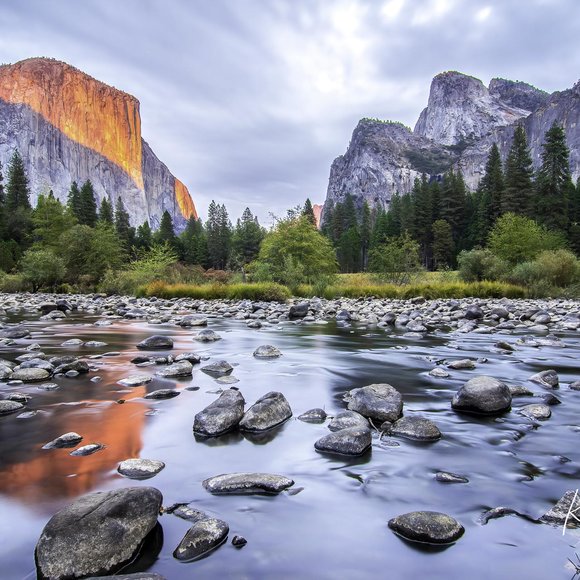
416, 428
182, 368
203, 537
247, 483
313, 416
439, 373
520, 391
448, 477
190, 357
87, 449
218, 368
483, 395
221, 416
350, 441
536, 411
70, 439
162, 394
135, 380
427, 527
348, 419
463, 364
267, 351
267, 412
140, 468
239, 541
156, 341
207, 335
547, 379
30, 375
73, 342
19, 397
380, 402
559, 514
7, 407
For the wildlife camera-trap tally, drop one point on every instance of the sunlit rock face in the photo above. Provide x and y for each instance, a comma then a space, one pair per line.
69, 126
317, 208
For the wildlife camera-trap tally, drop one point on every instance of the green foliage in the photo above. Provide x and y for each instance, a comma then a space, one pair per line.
10, 253
552, 268
477, 265
144, 237
123, 225
13, 283
74, 200
154, 262
106, 212
194, 242
443, 245
17, 190
42, 269
397, 260
50, 219
491, 188
219, 236
247, 237
519, 187
87, 205
518, 239
308, 212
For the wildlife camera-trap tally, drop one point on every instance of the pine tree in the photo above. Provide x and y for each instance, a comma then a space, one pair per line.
166, 233
219, 231
106, 212
393, 219
492, 189
423, 217
554, 182
308, 211
452, 203
74, 200
248, 236
123, 225
519, 187
144, 236
194, 242
50, 219
443, 246
17, 191
88, 205
365, 235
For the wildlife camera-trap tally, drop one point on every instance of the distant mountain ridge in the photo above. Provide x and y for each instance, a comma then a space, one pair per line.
69, 127
462, 120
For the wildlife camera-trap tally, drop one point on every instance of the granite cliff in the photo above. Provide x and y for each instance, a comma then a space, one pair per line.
462, 120
71, 127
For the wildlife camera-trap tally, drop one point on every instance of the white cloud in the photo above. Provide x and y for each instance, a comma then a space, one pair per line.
483, 14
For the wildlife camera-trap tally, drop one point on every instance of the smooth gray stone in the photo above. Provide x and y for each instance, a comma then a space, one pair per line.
313, 416
350, 441
203, 537
267, 351
448, 477
221, 416
192, 320
73, 342
80, 366
135, 380
495, 513
483, 395
15, 333
70, 439
191, 357
19, 397
5, 372
155, 342
87, 449
97, 533
182, 368
247, 483
348, 419
30, 375
37, 363
381, 402
189, 514
427, 527
439, 373
267, 412
218, 368
298, 310
560, 513
95, 344
463, 364
520, 391
416, 428
548, 379
140, 468
7, 407
575, 386
207, 335
504, 346
162, 394
536, 411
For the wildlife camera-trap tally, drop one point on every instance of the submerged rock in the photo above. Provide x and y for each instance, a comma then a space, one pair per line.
548, 379
267, 412
135, 380
218, 368
249, 483
70, 439
495, 513
87, 449
162, 394
267, 351
203, 537
140, 468
439, 373
416, 428
156, 342
483, 395
536, 411
448, 477
313, 416
347, 419
221, 416
381, 402
98, 533
427, 527
7, 407
462, 364
349, 441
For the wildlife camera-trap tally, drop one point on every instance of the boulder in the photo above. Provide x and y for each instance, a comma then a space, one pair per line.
313, 416
162, 394
192, 320
537, 411
182, 368
267, 412
347, 419
267, 351
247, 483
140, 468
30, 375
7, 407
156, 342
350, 441
380, 402
70, 439
203, 537
221, 416
463, 364
98, 533
483, 395
560, 514
416, 428
427, 527
548, 379
298, 310
135, 380
207, 335
219, 368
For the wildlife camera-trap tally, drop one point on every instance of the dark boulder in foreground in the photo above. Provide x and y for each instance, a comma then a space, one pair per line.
236, 483
98, 533
156, 342
350, 441
483, 395
221, 416
381, 402
203, 537
427, 527
267, 412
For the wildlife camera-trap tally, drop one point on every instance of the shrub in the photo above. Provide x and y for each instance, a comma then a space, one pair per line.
478, 265
42, 269
13, 283
397, 260
559, 267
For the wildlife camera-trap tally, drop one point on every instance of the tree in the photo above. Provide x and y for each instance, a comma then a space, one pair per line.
308, 211
443, 246
166, 233
452, 202
396, 260
50, 219
42, 268
219, 236
491, 188
17, 205
106, 212
74, 200
87, 205
365, 234
554, 183
144, 237
247, 237
516, 239
519, 187
194, 242
123, 225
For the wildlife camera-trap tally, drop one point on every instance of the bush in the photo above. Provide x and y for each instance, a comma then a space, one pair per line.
478, 265
42, 269
13, 283
396, 261
551, 269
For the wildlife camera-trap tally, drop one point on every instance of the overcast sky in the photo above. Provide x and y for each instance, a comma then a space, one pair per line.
249, 101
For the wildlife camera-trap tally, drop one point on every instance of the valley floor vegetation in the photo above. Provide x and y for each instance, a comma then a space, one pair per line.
517, 235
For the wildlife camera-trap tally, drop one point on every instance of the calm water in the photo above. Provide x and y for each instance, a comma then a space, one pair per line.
337, 526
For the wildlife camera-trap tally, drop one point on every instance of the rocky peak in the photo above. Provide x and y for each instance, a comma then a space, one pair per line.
517, 94
461, 109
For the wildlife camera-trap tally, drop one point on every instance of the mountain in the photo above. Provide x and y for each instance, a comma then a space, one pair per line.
70, 127
462, 120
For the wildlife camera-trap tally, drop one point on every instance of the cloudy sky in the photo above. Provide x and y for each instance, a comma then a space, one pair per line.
249, 101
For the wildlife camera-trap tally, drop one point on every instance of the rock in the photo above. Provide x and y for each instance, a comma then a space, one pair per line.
254, 324
349, 441
73, 342
162, 394
298, 310
15, 333
156, 342
203, 537
550, 399
187, 513
548, 379
79, 366
192, 320
427, 527
502, 345
536, 411
218, 368
7, 407
134, 576
71, 374
267, 351
483, 395
575, 386
191, 357
19, 397
249, 483
221, 416
135, 380
227, 380
30, 375
416, 428
87, 449
267, 412
462, 364
313, 416
182, 368
447, 477
239, 541
520, 391
347, 419
5, 372
381, 402
560, 513
439, 373
95, 344
344, 315
207, 335
140, 468
474, 312
495, 513
98, 533
70, 439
